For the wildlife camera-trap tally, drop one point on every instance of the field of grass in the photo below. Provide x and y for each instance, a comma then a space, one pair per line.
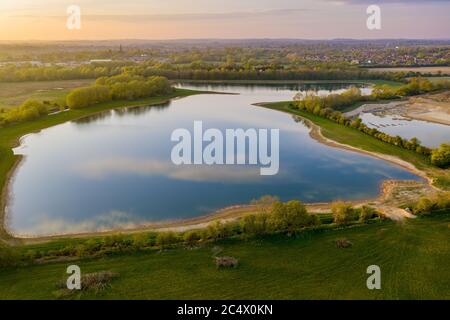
356, 138
432, 70
9, 135
14, 93
413, 256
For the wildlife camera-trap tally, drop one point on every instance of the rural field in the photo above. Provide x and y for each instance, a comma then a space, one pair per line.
14, 93
413, 257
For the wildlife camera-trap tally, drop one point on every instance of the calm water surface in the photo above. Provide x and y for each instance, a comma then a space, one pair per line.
113, 170
429, 133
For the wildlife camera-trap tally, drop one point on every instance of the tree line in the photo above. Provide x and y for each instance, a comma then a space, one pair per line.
119, 87
329, 106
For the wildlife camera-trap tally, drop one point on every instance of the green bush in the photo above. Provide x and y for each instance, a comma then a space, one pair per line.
441, 156
255, 224
8, 257
291, 216
424, 206
343, 212
191, 237
366, 213
166, 239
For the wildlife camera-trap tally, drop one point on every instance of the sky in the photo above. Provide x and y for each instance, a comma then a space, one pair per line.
232, 19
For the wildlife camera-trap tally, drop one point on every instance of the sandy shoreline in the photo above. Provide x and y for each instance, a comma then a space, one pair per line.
434, 107
226, 214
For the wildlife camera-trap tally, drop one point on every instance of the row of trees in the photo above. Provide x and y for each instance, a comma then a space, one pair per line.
336, 116
329, 106
27, 72
262, 74
119, 87
106, 89
273, 217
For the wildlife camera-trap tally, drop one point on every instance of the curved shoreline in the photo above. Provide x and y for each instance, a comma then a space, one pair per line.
225, 214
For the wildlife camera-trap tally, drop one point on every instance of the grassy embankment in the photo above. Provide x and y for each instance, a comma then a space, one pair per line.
9, 135
360, 140
413, 257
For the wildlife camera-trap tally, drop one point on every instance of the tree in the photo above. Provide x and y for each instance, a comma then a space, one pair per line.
264, 204
255, 224
343, 212
424, 206
441, 156
290, 216
191, 237
8, 256
165, 239
367, 213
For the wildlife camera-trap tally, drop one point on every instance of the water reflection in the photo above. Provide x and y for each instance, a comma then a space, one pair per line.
113, 170
430, 134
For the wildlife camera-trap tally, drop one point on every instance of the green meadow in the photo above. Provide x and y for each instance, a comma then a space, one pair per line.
413, 257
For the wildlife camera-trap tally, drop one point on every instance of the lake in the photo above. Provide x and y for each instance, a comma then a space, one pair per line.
114, 171
430, 134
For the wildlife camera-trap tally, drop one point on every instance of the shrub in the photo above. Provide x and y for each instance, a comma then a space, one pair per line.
141, 240
343, 243
218, 230
85, 97
166, 239
255, 224
191, 237
343, 212
424, 206
443, 200
228, 262
367, 213
96, 282
441, 156
291, 216
8, 257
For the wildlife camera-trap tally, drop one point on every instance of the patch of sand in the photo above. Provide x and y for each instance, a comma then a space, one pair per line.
429, 107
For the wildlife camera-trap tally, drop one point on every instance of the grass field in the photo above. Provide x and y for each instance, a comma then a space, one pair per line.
355, 138
9, 135
413, 256
14, 93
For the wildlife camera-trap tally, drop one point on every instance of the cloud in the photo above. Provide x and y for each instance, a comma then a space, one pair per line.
98, 169
181, 16
114, 220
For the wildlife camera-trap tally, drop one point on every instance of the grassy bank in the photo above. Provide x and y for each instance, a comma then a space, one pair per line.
413, 257
360, 140
9, 136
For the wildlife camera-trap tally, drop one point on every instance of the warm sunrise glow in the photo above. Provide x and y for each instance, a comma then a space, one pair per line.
152, 19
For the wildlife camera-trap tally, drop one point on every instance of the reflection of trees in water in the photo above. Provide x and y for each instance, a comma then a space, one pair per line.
94, 117
299, 119
120, 112
332, 86
136, 111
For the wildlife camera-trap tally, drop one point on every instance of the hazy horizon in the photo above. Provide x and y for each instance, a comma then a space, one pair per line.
45, 20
